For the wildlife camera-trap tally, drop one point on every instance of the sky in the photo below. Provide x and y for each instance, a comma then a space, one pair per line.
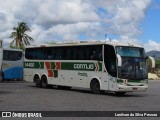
132, 21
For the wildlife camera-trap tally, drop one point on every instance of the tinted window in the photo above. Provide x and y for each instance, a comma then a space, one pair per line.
12, 55
130, 51
92, 52
88, 52
35, 53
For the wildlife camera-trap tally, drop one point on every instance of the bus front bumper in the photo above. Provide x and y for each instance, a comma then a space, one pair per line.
122, 88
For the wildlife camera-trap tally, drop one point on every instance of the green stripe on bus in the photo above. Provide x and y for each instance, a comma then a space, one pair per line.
55, 73
41, 65
81, 66
34, 65
89, 66
78, 66
53, 66
100, 66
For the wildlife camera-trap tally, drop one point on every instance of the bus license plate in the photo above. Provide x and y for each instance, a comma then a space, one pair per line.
134, 89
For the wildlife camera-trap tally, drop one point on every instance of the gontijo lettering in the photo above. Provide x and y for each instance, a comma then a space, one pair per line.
84, 66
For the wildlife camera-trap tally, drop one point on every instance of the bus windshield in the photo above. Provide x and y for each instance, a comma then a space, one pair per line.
134, 63
133, 68
130, 51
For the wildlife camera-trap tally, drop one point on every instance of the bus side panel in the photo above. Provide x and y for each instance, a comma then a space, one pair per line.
104, 80
12, 69
67, 77
70, 78
113, 86
53, 80
28, 74
83, 79
64, 78
13, 73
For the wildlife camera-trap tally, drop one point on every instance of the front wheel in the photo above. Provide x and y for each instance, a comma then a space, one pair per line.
44, 82
95, 87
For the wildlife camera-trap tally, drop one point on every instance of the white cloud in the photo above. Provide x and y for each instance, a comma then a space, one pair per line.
57, 20
152, 45
126, 16
51, 12
63, 31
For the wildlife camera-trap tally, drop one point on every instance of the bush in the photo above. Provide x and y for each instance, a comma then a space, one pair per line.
157, 63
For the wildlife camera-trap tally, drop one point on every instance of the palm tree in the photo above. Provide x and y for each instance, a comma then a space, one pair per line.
20, 37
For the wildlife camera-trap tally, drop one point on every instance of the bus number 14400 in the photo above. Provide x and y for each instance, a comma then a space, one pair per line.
29, 64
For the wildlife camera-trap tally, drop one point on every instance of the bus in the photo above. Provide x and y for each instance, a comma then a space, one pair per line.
99, 66
11, 64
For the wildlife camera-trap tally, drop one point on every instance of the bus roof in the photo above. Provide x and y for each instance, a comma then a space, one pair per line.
79, 43
11, 49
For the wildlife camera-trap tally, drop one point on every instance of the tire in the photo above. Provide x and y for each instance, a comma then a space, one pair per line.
37, 82
44, 82
1, 77
95, 87
120, 93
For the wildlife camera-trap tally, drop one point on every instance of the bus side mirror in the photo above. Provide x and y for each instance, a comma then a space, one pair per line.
119, 60
152, 60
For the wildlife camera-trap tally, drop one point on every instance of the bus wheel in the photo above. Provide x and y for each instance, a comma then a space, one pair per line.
37, 81
120, 93
44, 82
95, 87
1, 77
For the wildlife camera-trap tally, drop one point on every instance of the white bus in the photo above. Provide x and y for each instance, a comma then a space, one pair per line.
100, 66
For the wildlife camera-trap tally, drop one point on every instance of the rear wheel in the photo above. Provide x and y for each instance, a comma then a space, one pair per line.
37, 81
95, 87
44, 82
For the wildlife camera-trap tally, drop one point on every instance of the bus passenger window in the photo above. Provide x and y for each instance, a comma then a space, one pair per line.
93, 55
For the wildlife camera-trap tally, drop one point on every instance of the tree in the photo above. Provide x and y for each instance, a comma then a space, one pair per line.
20, 37
149, 65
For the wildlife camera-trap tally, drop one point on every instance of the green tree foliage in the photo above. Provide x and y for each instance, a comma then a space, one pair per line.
158, 63
155, 70
149, 65
20, 37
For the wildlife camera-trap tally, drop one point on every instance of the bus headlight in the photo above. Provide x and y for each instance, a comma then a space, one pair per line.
144, 82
